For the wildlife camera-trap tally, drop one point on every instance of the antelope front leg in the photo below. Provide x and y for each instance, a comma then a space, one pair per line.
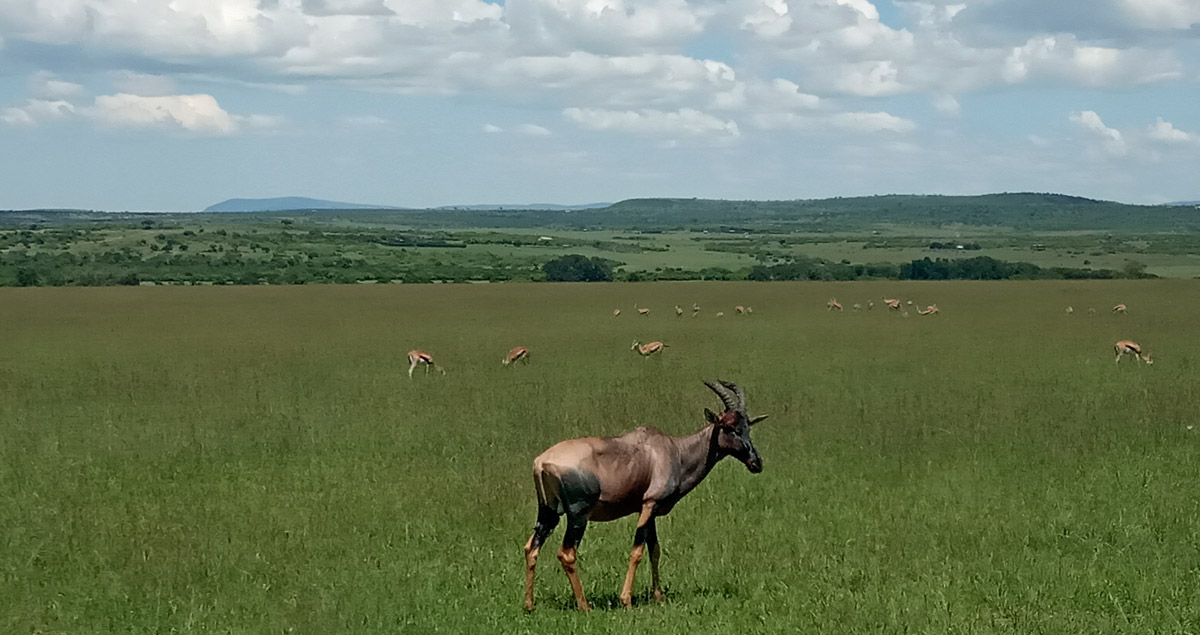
635, 556
652, 542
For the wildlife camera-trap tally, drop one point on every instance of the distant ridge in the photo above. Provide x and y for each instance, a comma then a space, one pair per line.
285, 203
546, 207
1184, 204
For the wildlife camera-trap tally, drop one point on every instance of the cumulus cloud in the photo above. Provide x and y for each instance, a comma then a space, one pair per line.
1111, 138
37, 111
191, 113
1166, 132
1063, 57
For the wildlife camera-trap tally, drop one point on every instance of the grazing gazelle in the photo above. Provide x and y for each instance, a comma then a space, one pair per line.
929, 310
646, 350
678, 311
857, 306
642, 311
1120, 308
643, 472
616, 312
833, 304
1127, 347
892, 303
421, 357
516, 354
739, 309
1070, 310
695, 309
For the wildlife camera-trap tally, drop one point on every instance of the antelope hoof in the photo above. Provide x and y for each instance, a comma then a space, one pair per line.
627, 601
528, 606
658, 596
584, 606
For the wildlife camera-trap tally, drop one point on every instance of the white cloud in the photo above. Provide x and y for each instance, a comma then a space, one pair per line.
873, 122
681, 123
1111, 138
364, 121
947, 105
198, 114
1165, 132
600, 26
492, 129
143, 84
1062, 57
37, 111
1162, 14
532, 130
47, 86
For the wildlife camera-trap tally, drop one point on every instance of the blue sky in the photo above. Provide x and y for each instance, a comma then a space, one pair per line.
157, 105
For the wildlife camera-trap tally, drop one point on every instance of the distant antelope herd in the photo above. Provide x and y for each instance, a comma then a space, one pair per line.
520, 354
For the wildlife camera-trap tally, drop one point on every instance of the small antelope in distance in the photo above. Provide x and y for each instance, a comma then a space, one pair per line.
857, 307
833, 304
739, 309
678, 311
1091, 312
516, 354
642, 472
421, 357
720, 314
749, 310
892, 303
646, 350
695, 310
870, 305
1120, 308
929, 310
642, 311
616, 312
1070, 310
1129, 347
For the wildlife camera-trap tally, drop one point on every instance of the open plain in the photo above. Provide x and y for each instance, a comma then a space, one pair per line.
256, 459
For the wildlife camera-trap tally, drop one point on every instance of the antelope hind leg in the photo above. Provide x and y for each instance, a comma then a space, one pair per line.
567, 556
547, 520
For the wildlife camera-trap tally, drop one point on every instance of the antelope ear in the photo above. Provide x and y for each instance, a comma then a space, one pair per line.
758, 418
711, 416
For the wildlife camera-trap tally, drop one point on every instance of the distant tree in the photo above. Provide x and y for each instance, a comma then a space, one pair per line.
27, 277
578, 268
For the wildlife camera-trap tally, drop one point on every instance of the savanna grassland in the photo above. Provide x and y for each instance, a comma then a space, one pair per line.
256, 460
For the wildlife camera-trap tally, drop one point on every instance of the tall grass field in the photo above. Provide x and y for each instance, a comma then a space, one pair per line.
256, 460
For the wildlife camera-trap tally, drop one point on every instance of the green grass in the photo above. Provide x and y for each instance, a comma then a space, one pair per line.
255, 459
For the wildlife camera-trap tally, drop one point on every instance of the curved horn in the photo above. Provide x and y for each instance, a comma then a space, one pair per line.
728, 397
738, 392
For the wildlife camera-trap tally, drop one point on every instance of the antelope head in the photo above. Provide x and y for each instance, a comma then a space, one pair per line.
731, 431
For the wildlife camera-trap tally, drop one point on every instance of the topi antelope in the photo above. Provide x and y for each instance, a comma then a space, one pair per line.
642, 472
421, 357
646, 350
1128, 347
516, 354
